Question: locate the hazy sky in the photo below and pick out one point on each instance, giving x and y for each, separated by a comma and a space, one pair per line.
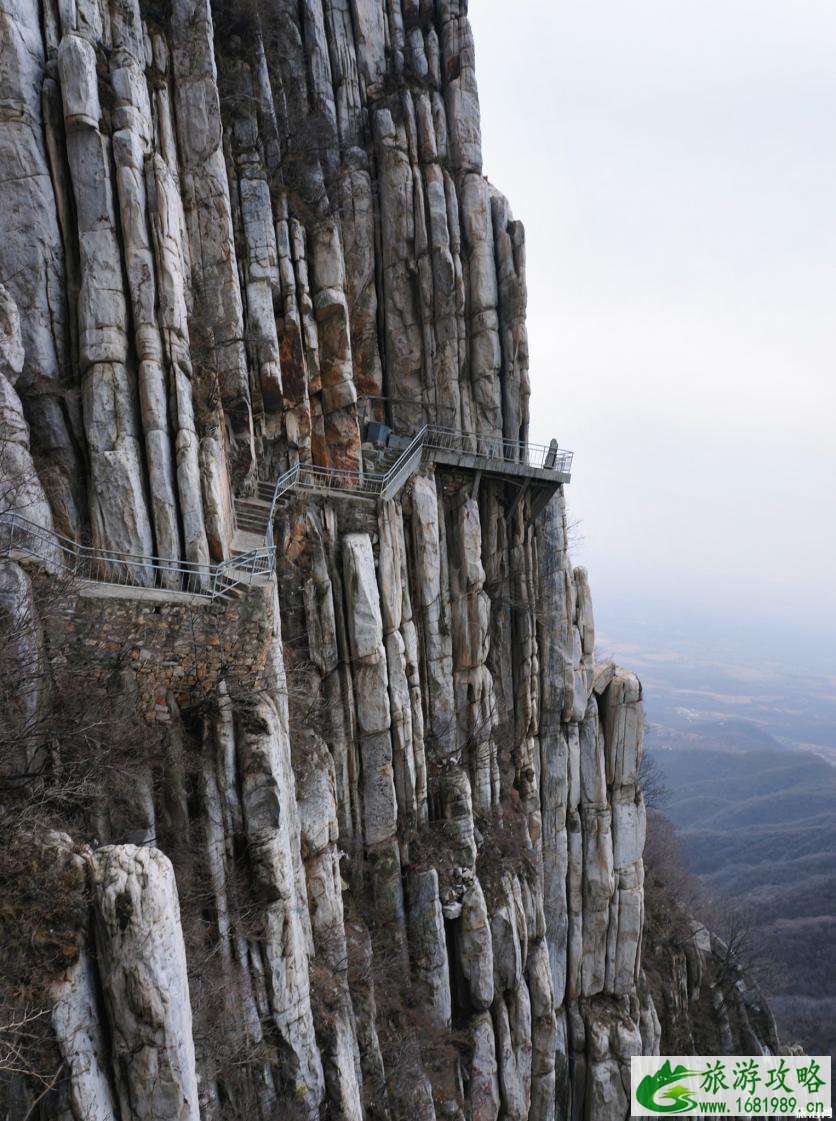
675, 167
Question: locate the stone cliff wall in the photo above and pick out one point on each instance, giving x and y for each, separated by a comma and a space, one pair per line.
400, 874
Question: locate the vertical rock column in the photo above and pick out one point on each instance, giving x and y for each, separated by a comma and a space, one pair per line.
403, 357
323, 645
32, 255
216, 320
81, 1041
559, 792
470, 613
296, 337
240, 978
118, 515
316, 786
407, 741
357, 210
339, 396
526, 668
451, 792
509, 248
271, 822
20, 487
555, 650
371, 697
76, 1015
434, 624
171, 257
132, 138
621, 711
485, 355
142, 965
461, 94
260, 251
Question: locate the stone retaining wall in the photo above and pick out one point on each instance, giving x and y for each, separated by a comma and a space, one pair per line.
175, 650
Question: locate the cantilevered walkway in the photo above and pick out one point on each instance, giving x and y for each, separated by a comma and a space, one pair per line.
536, 469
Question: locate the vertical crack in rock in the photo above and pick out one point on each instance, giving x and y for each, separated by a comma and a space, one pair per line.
391, 821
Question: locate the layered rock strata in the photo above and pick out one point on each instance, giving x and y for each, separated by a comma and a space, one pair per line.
399, 872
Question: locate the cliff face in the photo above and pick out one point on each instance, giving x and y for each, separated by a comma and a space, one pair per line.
367, 845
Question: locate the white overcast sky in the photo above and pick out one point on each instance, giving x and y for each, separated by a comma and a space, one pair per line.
674, 164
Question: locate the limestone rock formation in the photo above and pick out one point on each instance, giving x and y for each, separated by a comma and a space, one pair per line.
390, 822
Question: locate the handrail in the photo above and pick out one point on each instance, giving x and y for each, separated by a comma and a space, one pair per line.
546, 456
110, 566
208, 581
404, 465
309, 476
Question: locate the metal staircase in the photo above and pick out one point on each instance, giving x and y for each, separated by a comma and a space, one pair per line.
147, 577
533, 467
544, 466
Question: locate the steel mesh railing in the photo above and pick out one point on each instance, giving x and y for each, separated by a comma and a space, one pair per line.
547, 457
21, 537
490, 449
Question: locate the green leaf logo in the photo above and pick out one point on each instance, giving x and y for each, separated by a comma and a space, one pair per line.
653, 1093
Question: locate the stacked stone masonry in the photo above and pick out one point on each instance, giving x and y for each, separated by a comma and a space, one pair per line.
177, 653
231, 235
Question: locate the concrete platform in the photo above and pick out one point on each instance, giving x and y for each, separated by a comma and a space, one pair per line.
495, 467
92, 589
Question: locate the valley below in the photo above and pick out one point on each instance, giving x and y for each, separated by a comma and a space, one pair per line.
744, 755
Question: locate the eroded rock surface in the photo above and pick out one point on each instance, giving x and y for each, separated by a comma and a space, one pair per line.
397, 871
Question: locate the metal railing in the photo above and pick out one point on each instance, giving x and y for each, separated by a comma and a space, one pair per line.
403, 467
492, 450
547, 457
20, 537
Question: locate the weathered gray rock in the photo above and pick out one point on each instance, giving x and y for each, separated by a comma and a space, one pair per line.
75, 1021
272, 825
142, 964
117, 504
428, 948
317, 798
430, 602
476, 711
229, 245
475, 946
21, 492
32, 253
484, 1074
620, 707
370, 680
216, 317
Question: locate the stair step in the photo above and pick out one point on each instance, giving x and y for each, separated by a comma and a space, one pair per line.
252, 499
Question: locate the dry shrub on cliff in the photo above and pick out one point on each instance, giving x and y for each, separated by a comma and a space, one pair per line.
504, 847
43, 913
69, 737
304, 697
418, 1051
682, 919
67, 753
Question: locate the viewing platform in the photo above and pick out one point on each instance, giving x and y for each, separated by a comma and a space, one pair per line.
535, 469
543, 467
